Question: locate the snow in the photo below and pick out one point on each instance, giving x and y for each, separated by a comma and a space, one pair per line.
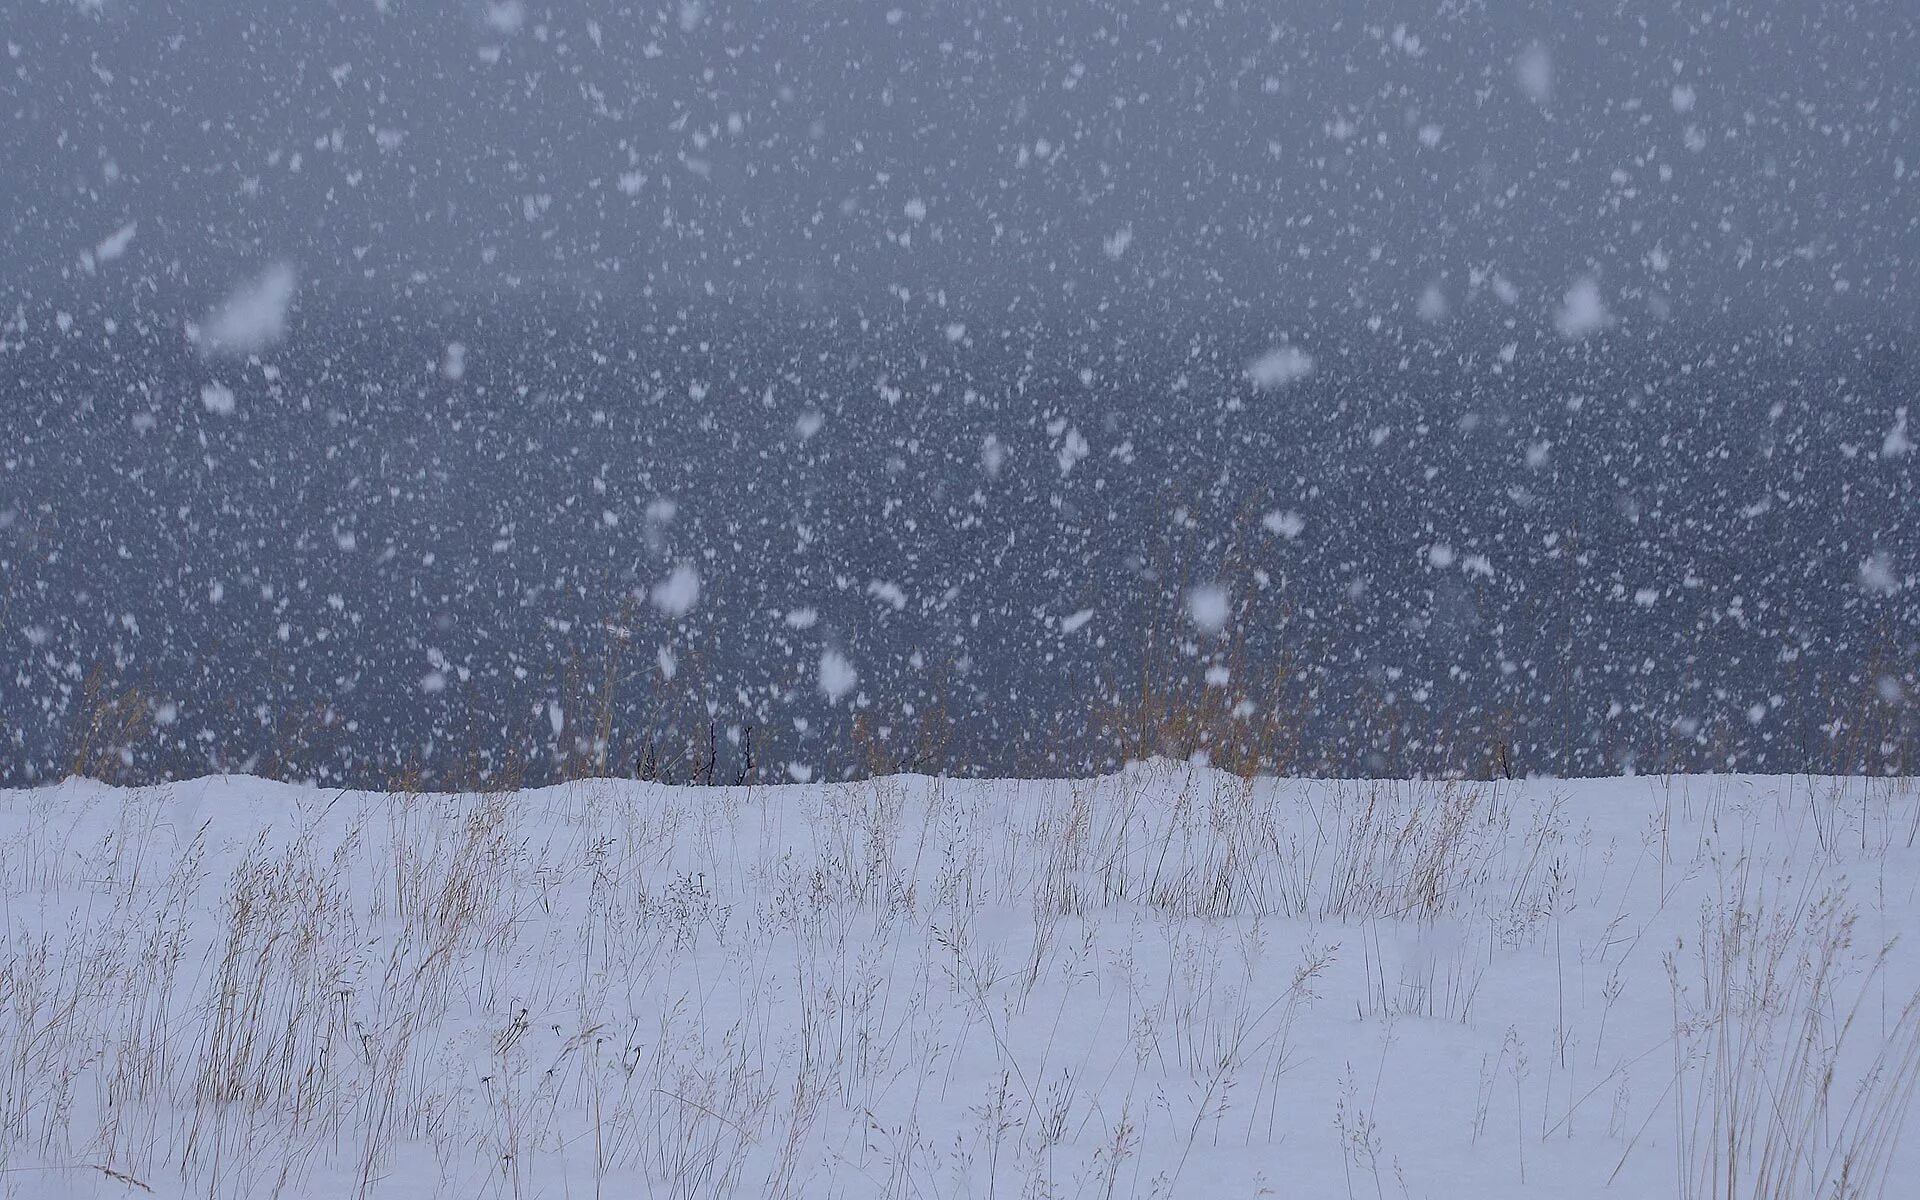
942, 331
1533, 68
1071, 448
1208, 607
252, 317
993, 455
837, 675
676, 595
1582, 310
217, 398
505, 17
802, 618
110, 247
1289, 524
1165, 982
1897, 442
1280, 366
1877, 574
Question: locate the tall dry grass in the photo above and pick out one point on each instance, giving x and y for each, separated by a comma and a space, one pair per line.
911, 986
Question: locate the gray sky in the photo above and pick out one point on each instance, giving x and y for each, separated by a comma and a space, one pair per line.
1310, 159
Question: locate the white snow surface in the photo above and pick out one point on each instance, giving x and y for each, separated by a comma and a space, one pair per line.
1166, 982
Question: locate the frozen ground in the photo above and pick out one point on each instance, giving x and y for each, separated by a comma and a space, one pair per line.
1163, 983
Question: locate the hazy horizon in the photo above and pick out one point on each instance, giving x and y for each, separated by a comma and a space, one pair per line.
1080, 160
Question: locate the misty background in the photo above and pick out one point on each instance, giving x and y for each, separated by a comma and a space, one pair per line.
991, 159
1514, 373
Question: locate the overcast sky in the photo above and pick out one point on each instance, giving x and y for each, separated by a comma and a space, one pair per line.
1402, 161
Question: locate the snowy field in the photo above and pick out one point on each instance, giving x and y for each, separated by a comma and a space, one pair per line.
1163, 983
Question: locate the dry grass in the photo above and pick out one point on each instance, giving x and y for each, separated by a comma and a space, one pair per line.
1210, 700
914, 987
112, 723
1767, 999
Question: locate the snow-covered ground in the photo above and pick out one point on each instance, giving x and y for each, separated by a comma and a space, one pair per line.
1163, 983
